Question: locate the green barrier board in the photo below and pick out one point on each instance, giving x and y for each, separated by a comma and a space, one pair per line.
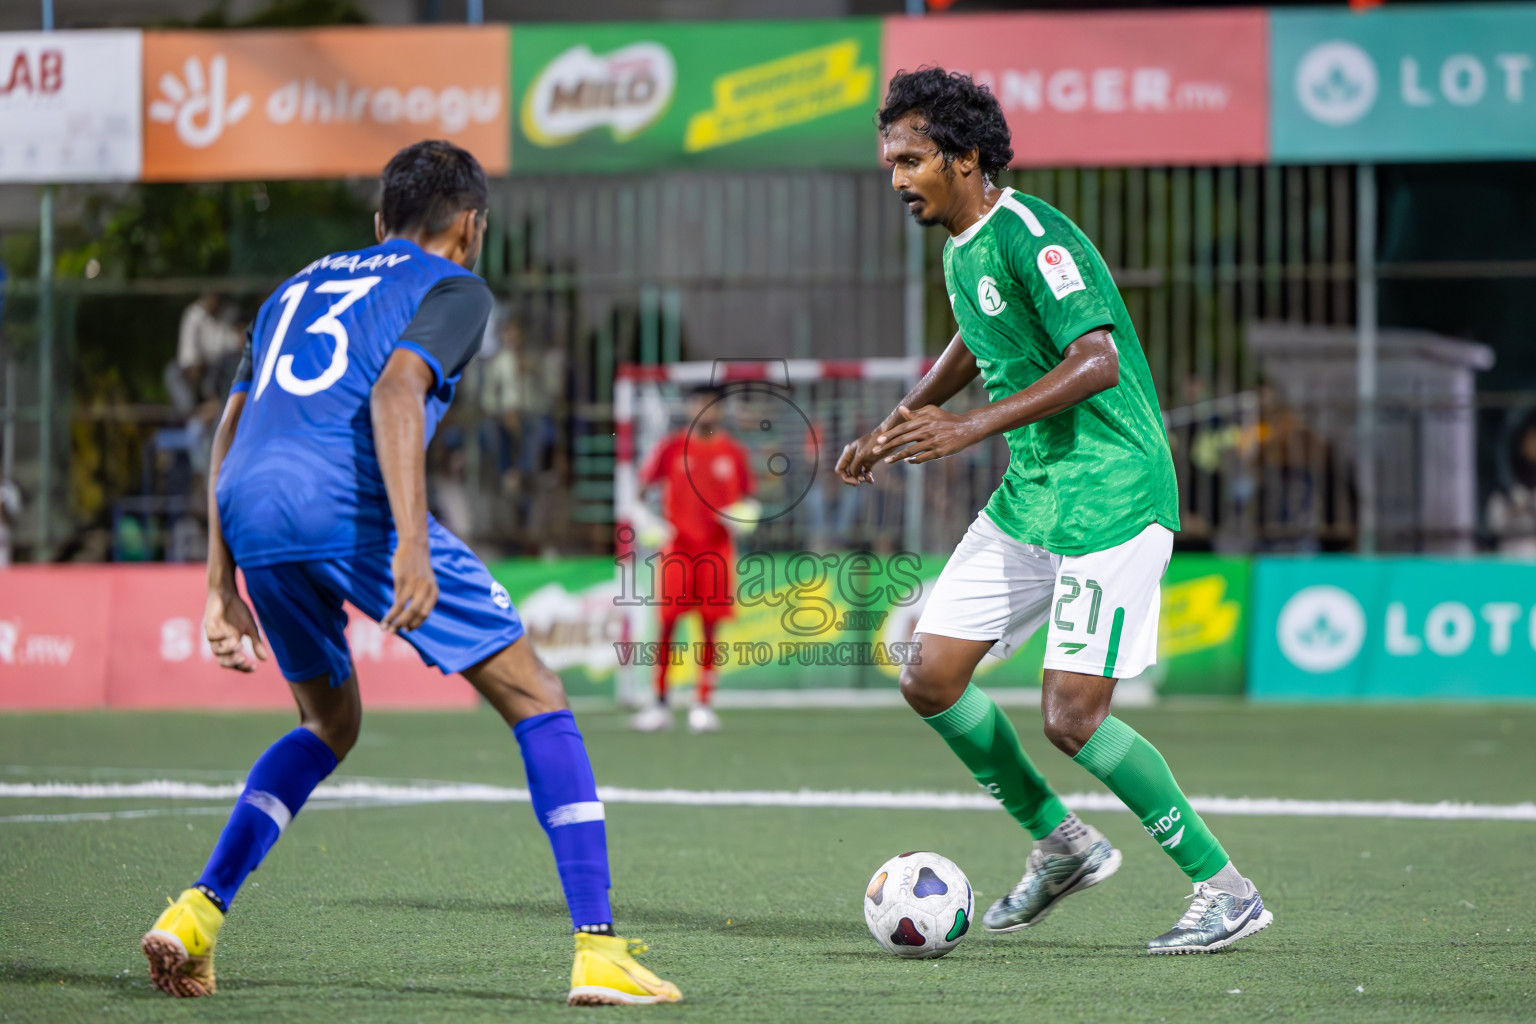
1444, 82
1344, 628
839, 620
607, 97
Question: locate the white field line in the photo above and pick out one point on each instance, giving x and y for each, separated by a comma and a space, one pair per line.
368, 794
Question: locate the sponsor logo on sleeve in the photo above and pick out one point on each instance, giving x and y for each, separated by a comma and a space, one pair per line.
1060, 271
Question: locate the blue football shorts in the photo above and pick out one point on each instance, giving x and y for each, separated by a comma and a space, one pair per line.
300, 608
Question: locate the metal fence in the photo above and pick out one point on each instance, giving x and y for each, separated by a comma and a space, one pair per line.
594, 272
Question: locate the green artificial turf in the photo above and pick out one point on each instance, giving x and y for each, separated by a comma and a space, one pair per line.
451, 912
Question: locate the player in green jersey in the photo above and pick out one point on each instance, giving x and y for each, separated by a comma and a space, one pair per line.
1078, 534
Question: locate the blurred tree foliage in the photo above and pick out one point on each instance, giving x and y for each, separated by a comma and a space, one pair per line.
285, 14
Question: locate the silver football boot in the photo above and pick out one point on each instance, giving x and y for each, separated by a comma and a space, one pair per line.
1214, 920
1049, 878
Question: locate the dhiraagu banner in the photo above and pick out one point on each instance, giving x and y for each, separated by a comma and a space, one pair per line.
596, 97
1440, 82
1346, 628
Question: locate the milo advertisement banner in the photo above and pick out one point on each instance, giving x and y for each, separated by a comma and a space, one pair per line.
614, 97
837, 620
1344, 628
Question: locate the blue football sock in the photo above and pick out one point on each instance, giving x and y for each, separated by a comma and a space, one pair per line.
565, 799
279, 783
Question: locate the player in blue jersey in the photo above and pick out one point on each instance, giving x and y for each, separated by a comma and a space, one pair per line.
318, 494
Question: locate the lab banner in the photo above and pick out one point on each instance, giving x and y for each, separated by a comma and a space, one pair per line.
319, 103
597, 97
1346, 628
69, 106
1181, 87
1446, 82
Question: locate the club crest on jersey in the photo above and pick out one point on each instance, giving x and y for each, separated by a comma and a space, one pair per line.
1060, 271
499, 596
991, 300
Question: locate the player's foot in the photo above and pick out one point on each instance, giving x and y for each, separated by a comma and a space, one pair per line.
1214, 920
656, 718
703, 719
1049, 878
606, 973
180, 946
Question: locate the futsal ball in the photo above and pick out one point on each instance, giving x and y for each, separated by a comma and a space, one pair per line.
918, 905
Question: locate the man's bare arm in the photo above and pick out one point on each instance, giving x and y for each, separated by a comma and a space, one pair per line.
948, 376
226, 619
1089, 365
398, 410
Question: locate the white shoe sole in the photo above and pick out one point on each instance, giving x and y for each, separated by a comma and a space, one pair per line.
1253, 927
1106, 869
598, 995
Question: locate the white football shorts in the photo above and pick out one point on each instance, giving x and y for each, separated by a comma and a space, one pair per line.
1101, 608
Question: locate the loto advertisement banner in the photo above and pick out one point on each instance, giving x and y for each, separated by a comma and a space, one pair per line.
69, 106
1345, 628
1448, 82
322, 103
1186, 87
737, 94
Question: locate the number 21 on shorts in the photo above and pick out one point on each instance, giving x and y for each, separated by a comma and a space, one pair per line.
1074, 590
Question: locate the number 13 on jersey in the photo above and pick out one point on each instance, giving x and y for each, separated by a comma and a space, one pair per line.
350, 290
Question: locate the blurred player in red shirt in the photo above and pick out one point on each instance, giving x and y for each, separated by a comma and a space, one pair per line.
703, 472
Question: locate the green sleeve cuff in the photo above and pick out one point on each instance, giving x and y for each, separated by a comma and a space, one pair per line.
1070, 333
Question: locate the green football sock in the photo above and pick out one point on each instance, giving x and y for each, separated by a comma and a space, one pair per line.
1136, 773
981, 736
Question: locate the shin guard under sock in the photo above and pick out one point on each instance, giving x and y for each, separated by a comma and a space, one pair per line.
1135, 772
279, 783
564, 796
982, 736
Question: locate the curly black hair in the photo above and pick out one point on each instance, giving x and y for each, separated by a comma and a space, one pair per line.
956, 113
428, 184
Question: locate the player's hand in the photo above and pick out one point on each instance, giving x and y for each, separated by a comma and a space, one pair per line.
857, 459
226, 622
924, 435
415, 588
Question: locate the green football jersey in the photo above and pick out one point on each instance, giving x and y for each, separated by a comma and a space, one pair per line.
1025, 283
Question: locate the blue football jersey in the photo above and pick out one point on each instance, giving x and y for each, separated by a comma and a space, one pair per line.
301, 479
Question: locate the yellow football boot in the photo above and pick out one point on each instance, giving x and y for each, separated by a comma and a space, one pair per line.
606, 974
180, 946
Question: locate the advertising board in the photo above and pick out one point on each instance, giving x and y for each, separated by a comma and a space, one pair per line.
69, 106
1434, 82
320, 103
1173, 87
598, 97
1345, 628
